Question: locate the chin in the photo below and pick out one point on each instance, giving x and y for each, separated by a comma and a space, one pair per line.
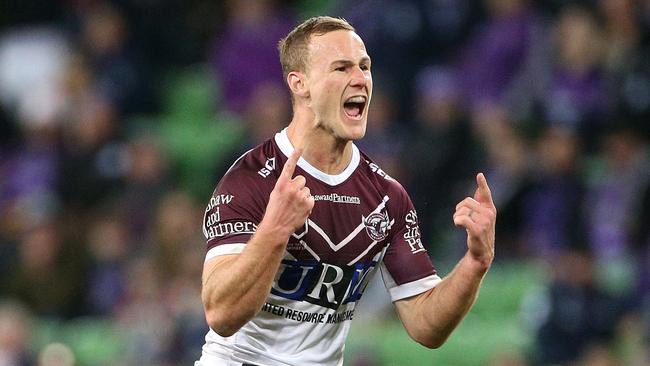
355, 133
352, 128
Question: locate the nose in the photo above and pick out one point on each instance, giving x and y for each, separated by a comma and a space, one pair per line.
359, 78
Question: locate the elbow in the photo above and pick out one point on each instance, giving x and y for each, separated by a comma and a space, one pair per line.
431, 341
432, 344
221, 324
226, 322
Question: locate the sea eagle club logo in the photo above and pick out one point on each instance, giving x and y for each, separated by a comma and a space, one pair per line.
377, 225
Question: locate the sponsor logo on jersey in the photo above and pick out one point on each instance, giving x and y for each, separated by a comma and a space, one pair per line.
412, 233
376, 169
219, 199
377, 225
269, 166
337, 198
307, 316
213, 218
212, 215
322, 284
230, 228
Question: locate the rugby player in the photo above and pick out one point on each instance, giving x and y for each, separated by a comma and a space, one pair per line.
299, 224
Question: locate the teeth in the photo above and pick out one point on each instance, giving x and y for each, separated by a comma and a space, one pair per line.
357, 99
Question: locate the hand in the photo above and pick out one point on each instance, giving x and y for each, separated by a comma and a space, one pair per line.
478, 216
290, 202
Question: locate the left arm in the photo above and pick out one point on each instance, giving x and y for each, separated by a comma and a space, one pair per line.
430, 317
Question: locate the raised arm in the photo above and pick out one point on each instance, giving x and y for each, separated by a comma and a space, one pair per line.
236, 286
430, 317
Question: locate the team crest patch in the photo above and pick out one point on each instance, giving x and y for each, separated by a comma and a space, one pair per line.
377, 225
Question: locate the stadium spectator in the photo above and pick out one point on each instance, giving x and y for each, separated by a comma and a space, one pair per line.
244, 54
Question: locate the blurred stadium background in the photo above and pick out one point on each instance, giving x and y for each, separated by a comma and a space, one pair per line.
117, 119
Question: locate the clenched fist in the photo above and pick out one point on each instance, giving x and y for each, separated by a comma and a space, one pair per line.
290, 202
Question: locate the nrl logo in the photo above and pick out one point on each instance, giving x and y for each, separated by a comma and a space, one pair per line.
377, 225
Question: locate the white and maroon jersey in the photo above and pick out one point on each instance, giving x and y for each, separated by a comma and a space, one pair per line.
362, 220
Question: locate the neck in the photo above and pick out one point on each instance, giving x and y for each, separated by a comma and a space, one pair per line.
319, 146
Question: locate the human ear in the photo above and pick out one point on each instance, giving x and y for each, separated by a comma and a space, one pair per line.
297, 83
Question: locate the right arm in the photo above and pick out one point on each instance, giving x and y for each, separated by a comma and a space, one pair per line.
236, 286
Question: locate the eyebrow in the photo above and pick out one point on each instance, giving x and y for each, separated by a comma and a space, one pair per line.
364, 59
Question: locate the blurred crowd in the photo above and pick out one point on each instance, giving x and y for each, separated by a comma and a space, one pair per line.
117, 119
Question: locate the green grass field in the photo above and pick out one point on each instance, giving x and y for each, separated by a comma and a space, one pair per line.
493, 329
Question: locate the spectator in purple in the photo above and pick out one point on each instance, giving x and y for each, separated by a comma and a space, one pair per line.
576, 95
29, 176
108, 245
147, 179
616, 193
556, 193
495, 54
244, 55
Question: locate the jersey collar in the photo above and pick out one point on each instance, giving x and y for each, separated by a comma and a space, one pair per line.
282, 140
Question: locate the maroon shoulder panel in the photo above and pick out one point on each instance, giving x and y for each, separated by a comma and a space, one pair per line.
351, 224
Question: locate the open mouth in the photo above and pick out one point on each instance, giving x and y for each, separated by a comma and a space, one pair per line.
354, 106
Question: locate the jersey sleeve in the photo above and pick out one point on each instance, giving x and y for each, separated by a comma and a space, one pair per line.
407, 269
232, 215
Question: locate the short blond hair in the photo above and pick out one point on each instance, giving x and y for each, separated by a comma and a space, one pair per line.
293, 48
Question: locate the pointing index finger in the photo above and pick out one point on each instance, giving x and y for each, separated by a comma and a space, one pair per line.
290, 165
483, 193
